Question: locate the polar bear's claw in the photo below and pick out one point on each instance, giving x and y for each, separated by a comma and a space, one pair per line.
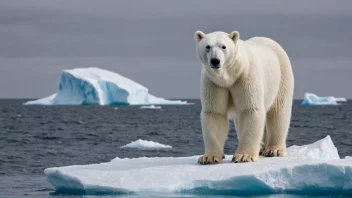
273, 152
241, 158
209, 159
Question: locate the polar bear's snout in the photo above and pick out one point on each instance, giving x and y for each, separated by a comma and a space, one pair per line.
215, 63
215, 57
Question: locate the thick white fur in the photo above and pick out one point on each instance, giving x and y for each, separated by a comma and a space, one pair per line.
254, 86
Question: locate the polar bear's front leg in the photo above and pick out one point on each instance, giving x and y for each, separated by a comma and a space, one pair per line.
214, 120
215, 127
251, 127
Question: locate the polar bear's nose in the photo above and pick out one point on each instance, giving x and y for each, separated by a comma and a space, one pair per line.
215, 62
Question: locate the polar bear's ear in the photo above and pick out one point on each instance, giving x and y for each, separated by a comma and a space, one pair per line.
235, 35
198, 35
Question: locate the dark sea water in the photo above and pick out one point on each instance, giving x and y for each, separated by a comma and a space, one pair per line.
33, 138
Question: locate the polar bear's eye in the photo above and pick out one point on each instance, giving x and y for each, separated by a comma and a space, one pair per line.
208, 47
223, 47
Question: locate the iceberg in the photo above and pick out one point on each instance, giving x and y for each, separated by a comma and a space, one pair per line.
309, 169
92, 85
145, 144
312, 99
150, 107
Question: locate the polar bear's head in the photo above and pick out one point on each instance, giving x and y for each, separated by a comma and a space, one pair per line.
217, 49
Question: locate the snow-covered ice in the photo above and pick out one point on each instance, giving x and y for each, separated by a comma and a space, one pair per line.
145, 144
312, 99
310, 169
92, 85
150, 107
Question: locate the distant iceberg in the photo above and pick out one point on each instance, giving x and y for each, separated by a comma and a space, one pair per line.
92, 85
150, 107
312, 99
310, 169
145, 144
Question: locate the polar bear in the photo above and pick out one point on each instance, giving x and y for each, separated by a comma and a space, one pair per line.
250, 81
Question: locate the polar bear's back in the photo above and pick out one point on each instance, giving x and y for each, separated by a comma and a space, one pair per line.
267, 46
275, 66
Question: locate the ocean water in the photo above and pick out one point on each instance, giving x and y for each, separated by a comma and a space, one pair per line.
33, 138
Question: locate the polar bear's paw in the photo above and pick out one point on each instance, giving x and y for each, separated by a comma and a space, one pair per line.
210, 159
273, 152
242, 158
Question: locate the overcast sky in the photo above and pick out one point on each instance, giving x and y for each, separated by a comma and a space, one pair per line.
152, 42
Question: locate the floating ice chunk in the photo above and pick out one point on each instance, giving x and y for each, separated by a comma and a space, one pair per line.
145, 144
43, 101
311, 169
150, 107
312, 99
92, 85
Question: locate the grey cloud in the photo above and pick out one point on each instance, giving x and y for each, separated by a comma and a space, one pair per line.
149, 39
